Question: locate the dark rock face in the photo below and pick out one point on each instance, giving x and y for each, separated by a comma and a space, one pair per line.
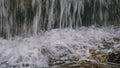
114, 57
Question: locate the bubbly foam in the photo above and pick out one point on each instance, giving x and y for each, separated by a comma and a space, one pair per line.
56, 43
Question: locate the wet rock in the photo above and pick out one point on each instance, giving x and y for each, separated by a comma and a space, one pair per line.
55, 61
66, 60
25, 65
114, 57
107, 44
117, 40
73, 57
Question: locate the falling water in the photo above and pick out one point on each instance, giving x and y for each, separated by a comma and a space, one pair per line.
20, 17
31, 31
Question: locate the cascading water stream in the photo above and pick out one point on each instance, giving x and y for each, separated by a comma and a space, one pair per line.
50, 14
40, 33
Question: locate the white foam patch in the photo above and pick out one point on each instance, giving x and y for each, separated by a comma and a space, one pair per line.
57, 42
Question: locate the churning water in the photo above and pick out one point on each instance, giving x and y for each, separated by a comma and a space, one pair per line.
56, 43
34, 31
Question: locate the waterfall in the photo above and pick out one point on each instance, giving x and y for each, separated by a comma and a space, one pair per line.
42, 33
19, 17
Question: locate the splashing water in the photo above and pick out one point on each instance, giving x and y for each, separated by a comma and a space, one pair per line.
36, 31
36, 50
